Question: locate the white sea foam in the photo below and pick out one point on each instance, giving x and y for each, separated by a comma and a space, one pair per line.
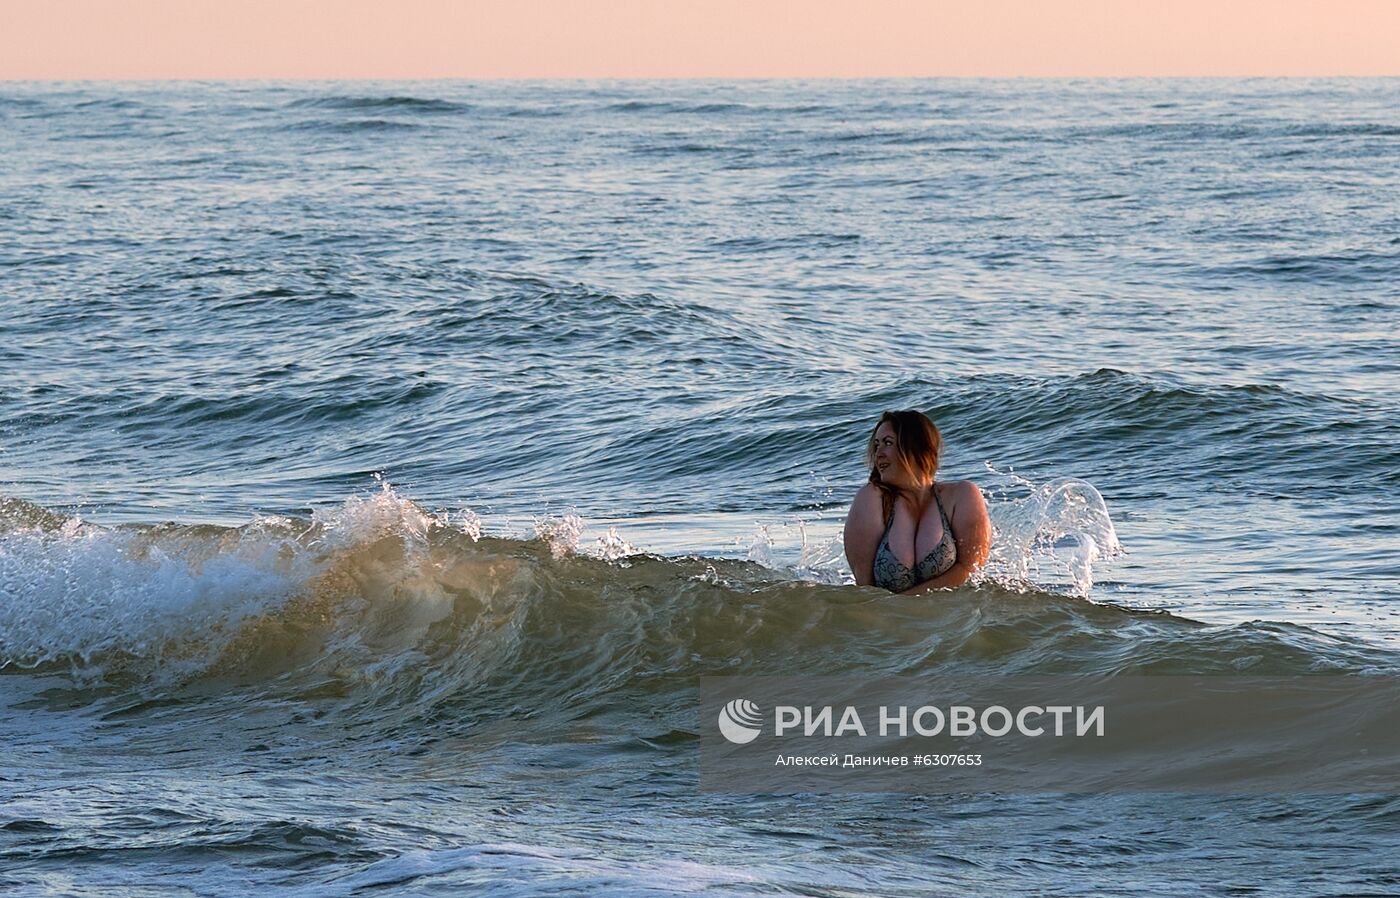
81, 592
580, 870
173, 598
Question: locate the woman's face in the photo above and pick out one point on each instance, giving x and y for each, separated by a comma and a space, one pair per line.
886, 456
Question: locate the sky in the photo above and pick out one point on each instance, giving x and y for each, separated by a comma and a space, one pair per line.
483, 39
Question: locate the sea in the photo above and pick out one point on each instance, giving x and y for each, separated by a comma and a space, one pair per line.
382, 465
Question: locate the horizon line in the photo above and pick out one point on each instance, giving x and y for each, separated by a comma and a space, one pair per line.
700, 78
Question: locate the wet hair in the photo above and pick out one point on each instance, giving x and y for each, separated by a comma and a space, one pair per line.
917, 445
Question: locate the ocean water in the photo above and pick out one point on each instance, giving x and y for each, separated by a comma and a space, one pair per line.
381, 464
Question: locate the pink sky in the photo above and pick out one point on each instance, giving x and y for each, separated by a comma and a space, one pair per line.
80, 39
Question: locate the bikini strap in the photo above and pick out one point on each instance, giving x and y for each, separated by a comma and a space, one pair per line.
941, 513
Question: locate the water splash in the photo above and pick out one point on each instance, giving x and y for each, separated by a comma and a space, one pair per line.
467, 521
358, 518
1052, 537
561, 533
823, 560
171, 596
761, 548
789, 548
612, 547
174, 599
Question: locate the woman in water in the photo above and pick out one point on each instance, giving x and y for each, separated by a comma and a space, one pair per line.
906, 532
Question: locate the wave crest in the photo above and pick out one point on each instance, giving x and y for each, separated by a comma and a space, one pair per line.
390, 606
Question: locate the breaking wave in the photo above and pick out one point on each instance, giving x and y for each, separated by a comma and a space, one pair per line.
383, 603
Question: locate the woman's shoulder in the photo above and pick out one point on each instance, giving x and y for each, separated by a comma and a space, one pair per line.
868, 496
865, 518
961, 493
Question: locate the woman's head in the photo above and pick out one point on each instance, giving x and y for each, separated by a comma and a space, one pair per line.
903, 450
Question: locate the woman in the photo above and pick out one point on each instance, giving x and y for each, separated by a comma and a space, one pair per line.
905, 532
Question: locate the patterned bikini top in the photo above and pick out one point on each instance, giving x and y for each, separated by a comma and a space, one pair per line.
890, 574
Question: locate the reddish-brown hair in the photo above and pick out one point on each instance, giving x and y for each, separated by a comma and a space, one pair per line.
917, 445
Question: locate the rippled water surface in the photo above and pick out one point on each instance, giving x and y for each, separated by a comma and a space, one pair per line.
382, 463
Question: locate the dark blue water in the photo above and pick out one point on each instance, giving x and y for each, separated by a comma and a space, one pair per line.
568, 323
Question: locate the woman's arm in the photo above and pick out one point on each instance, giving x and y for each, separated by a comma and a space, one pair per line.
972, 531
862, 533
